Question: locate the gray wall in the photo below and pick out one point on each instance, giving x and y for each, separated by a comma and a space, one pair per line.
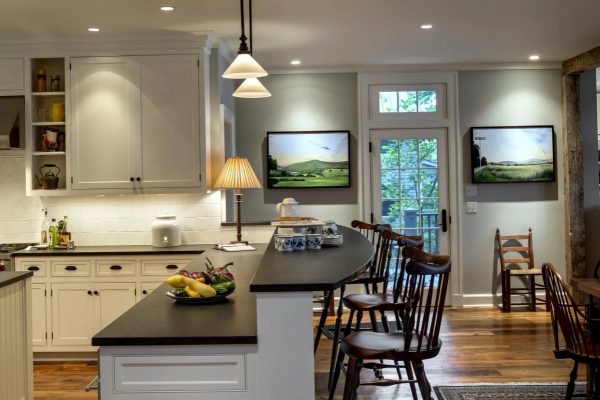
509, 97
299, 102
591, 198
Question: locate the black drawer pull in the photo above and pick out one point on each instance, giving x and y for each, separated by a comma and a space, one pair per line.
116, 267
171, 266
33, 268
71, 268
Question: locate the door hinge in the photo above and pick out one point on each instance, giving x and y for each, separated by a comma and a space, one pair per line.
198, 62
50, 292
46, 335
69, 65
71, 179
52, 335
372, 218
45, 294
135, 292
200, 177
370, 147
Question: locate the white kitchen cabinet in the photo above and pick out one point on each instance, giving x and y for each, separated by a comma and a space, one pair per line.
38, 314
80, 310
135, 122
11, 74
148, 287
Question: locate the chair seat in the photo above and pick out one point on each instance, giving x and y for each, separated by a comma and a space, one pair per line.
531, 271
375, 301
387, 346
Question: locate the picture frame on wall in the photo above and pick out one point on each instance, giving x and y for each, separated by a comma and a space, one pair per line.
308, 159
511, 154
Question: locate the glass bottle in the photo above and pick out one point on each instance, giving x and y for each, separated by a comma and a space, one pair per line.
45, 226
55, 83
53, 234
41, 80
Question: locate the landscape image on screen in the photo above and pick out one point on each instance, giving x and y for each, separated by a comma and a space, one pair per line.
302, 160
513, 154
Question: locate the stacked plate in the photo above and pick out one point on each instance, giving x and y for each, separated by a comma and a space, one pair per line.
333, 240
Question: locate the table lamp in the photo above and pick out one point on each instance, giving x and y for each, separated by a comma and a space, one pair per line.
237, 174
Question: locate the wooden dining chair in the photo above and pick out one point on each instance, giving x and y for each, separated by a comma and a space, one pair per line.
419, 339
520, 264
374, 274
570, 321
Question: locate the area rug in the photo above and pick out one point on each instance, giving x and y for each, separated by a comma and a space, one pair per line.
530, 391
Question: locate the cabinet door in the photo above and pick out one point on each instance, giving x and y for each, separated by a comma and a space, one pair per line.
105, 119
148, 287
112, 300
11, 74
170, 122
38, 314
72, 314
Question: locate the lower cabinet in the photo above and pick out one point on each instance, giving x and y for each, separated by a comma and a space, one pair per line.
80, 310
73, 298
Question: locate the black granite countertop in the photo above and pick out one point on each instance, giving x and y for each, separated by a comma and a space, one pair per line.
114, 250
9, 277
313, 270
157, 320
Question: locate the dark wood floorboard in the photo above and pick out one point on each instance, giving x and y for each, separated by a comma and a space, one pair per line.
479, 345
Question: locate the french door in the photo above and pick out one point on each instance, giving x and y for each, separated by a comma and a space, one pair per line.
410, 183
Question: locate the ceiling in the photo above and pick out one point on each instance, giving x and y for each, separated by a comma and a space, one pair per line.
333, 33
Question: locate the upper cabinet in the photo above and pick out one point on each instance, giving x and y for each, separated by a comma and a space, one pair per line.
11, 74
135, 122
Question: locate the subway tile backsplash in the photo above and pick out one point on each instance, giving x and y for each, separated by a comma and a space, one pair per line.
110, 219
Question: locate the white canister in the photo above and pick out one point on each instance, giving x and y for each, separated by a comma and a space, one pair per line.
166, 232
287, 208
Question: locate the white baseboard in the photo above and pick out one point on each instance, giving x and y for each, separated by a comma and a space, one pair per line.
490, 300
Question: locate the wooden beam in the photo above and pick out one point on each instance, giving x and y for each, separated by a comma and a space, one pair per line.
573, 179
583, 62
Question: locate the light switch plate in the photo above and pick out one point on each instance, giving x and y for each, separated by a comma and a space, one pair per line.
471, 190
471, 207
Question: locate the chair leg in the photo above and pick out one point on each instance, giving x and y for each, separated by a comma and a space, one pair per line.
359, 317
352, 378
571, 384
336, 332
503, 283
422, 380
336, 374
328, 298
532, 290
398, 321
508, 292
411, 377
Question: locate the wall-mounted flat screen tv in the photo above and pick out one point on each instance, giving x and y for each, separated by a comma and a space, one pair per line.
311, 159
503, 154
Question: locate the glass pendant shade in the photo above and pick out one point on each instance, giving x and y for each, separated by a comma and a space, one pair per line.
244, 66
251, 88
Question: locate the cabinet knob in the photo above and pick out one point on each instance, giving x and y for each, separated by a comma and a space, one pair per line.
33, 268
138, 179
144, 291
96, 293
131, 179
90, 292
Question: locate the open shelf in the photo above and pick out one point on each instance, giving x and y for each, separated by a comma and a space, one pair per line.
49, 153
48, 93
48, 123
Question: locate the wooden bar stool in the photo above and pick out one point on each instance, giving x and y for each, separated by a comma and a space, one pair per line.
419, 339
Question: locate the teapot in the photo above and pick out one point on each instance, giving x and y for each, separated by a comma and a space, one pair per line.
287, 208
49, 176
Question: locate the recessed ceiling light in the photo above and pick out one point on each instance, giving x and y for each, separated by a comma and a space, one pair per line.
167, 8
534, 57
94, 29
426, 26
295, 62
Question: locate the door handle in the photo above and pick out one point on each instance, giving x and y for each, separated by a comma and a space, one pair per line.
71, 268
444, 223
171, 266
33, 268
116, 267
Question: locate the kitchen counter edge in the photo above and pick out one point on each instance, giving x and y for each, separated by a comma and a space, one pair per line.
114, 250
9, 277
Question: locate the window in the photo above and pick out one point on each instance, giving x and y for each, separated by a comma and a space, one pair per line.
424, 101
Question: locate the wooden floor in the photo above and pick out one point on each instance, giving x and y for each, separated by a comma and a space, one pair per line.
479, 345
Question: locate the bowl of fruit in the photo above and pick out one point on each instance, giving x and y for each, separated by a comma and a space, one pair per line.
203, 287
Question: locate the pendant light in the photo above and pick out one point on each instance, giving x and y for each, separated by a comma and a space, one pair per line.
244, 66
251, 88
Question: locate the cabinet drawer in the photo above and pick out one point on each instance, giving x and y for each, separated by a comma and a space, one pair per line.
115, 268
38, 267
71, 268
162, 267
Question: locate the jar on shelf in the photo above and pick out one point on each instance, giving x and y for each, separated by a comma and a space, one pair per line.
41, 80
57, 112
55, 83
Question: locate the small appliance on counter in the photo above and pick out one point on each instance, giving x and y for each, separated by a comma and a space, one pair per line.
166, 232
287, 208
5, 250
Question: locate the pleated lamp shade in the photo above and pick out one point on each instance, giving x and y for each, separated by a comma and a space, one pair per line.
251, 88
237, 174
244, 66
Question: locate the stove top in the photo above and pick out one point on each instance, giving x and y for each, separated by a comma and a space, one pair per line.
12, 247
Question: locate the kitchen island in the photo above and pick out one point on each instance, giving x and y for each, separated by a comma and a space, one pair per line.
256, 345
16, 364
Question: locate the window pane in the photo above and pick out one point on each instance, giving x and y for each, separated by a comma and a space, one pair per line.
428, 153
408, 153
428, 182
410, 213
388, 102
427, 101
389, 154
390, 211
407, 101
390, 184
409, 182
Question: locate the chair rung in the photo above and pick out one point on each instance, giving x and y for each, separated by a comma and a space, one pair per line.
512, 237
516, 260
506, 249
